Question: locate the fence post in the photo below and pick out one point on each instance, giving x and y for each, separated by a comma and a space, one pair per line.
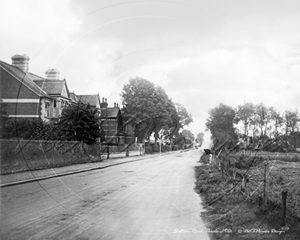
243, 185
222, 168
107, 151
234, 173
284, 196
265, 185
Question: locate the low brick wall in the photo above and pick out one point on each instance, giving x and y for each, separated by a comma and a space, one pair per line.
18, 156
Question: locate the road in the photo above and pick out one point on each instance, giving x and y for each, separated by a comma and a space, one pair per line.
149, 199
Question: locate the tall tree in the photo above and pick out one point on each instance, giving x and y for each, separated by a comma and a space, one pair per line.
277, 121
184, 115
200, 138
172, 127
263, 120
80, 122
220, 123
188, 135
137, 100
291, 121
150, 105
245, 114
164, 111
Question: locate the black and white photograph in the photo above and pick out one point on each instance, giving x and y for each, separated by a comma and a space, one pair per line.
150, 119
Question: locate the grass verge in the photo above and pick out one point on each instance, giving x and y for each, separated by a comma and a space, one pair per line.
232, 215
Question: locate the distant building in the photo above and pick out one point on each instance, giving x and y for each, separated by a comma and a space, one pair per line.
93, 100
29, 96
128, 130
111, 123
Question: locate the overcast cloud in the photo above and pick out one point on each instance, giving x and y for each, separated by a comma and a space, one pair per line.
201, 52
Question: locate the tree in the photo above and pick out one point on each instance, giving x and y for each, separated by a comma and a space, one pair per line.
162, 117
185, 117
153, 111
173, 125
188, 135
80, 122
291, 121
277, 121
262, 120
220, 123
200, 138
245, 114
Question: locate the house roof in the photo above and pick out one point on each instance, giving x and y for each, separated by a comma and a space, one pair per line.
24, 78
74, 97
93, 100
52, 87
34, 77
112, 112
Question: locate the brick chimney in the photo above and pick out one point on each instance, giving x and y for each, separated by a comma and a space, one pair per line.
52, 74
21, 62
103, 104
103, 108
116, 105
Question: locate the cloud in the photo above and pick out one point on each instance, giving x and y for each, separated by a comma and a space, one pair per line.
230, 55
39, 29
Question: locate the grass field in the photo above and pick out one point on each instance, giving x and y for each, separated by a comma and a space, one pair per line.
240, 210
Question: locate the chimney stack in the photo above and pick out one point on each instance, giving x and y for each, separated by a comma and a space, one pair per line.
103, 104
21, 62
52, 74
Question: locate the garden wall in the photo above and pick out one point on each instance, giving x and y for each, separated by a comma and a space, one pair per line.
25, 155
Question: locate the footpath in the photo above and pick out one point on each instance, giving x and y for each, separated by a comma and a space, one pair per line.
38, 175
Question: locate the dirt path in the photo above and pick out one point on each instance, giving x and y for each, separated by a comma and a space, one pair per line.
151, 199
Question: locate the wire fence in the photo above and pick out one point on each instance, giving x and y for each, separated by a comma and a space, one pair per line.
265, 178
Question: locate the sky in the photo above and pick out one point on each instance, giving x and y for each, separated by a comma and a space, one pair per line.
202, 52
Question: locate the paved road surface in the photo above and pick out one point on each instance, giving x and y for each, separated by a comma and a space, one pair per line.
150, 199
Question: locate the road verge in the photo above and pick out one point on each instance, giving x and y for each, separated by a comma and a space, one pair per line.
231, 215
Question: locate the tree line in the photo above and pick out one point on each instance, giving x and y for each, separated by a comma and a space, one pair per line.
255, 123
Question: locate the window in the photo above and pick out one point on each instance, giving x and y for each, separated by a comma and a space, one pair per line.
47, 109
54, 103
62, 104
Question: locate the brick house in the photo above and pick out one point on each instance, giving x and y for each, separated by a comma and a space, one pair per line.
111, 123
28, 96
